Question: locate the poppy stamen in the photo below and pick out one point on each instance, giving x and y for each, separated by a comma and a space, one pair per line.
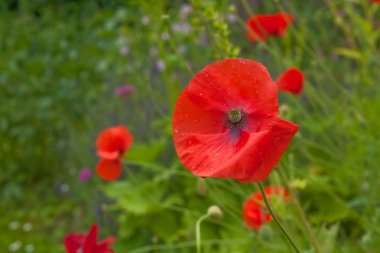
235, 119
234, 115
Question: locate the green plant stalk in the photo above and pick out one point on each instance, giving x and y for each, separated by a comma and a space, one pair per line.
198, 231
301, 213
284, 232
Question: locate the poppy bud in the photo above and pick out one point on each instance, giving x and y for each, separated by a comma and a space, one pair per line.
215, 212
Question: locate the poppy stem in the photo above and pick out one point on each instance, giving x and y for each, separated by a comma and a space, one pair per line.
198, 231
305, 222
284, 232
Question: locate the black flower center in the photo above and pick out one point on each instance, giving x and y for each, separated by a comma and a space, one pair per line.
235, 119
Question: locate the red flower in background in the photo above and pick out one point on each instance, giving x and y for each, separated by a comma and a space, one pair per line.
226, 122
112, 144
83, 243
254, 210
375, 1
291, 81
262, 26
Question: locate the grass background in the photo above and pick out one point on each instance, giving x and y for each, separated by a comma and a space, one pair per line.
60, 62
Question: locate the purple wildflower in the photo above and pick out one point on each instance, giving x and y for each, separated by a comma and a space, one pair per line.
84, 174
181, 27
124, 50
145, 20
160, 65
124, 90
185, 10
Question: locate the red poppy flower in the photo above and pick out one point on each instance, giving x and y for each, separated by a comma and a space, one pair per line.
254, 211
75, 243
291, 81
262, 26
109, 170
375, 1
112, 144
226, 122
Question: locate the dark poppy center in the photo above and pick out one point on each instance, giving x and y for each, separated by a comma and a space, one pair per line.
235, 119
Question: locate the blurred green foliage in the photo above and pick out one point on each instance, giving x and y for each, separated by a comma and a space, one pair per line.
60, 62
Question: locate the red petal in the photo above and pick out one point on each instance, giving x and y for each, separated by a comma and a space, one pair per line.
90, 243
261, 26
252, 214
190, 117
103, 246
109, 169
291, 80
251, 157
233, 83
113, 142
265, 150
73, 242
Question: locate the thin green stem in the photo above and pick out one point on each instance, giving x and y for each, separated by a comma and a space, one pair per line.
284, 232
198, 231
301, 213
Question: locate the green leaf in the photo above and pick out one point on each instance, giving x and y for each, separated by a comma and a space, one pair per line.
146, 152
327, 237
165, 226
349, 53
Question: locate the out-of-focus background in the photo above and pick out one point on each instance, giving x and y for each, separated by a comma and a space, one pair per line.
61, 63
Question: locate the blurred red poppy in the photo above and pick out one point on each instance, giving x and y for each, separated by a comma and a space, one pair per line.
112, 144
291, 81
375, 1
226, 122
254, 211
260, 27
109, 170
75, 243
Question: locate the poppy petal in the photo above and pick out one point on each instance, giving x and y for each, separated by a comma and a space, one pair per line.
273, 142
103, 245
90, 243
109, 170
292, 81
241, 159
254, 214
113, 142
125, 137
234, 83
73, 242
108, 240
261, 26
190, 117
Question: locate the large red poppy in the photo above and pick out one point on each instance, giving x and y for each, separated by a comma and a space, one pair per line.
112, 144
260, 27
254, 211
226, 122
291, 81
83, 243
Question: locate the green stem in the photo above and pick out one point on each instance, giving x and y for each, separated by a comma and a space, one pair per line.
198, 231
284, 232
305, 222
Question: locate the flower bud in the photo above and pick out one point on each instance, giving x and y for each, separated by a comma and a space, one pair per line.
215, 212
